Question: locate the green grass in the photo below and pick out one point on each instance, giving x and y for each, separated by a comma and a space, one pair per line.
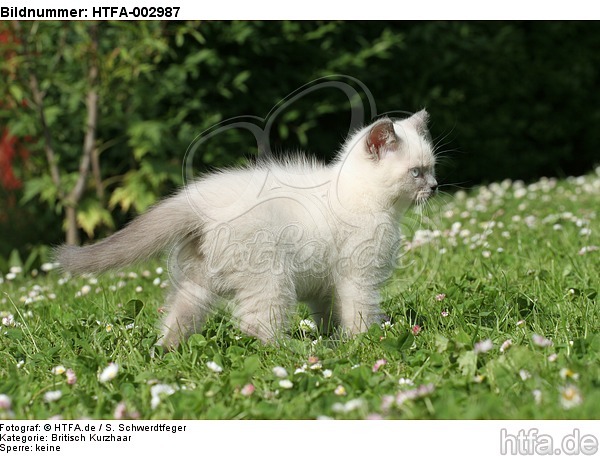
519, 271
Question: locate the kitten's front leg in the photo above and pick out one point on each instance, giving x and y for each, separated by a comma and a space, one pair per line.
356, 305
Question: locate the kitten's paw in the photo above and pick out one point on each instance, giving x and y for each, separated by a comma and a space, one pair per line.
169, 341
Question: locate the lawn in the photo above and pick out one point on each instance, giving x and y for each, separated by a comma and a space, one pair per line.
493, 315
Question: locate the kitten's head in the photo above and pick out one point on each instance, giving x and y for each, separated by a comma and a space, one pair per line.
401, 158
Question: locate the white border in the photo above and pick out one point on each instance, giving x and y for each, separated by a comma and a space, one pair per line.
330, 10
264, 438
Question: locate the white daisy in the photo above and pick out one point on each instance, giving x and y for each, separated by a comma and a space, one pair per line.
280, 372
109, 373
214, 367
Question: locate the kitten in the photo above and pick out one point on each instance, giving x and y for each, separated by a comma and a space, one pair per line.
269, 235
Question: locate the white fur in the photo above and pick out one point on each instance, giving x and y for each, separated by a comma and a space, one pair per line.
270, 235
283, 232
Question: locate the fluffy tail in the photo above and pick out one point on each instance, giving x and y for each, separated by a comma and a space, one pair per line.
146, 236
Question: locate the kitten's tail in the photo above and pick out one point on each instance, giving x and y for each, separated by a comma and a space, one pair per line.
146, 236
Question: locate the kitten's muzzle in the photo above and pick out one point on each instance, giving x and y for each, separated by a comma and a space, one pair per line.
433, 185
430, 191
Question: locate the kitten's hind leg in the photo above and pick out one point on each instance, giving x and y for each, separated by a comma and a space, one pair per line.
264, 313
189, 305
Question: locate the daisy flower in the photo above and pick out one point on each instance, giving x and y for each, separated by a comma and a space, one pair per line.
71, 377
378, 364
386, 402
340, 391
420, 391
541, 341
52, 396
85, 290
8, 320
570, 397
58, 370
280, 372
214, 367
286, 384
301, 369
506, 345
159, 391
483, 346
568, 374
525, 375
247, 390
120, 411
349, 406
5, 402
308, 326
587, 249
47, 267
109, 373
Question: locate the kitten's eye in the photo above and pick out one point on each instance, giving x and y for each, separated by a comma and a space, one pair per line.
415, 172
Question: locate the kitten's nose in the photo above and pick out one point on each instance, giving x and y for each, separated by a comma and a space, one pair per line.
434, 186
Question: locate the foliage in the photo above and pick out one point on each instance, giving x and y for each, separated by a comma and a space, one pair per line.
47, 93
503, 264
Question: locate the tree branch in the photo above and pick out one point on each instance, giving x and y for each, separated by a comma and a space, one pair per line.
97, 175
91, 122
91, 102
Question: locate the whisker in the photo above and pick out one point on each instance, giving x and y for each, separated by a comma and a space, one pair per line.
445, 152
438, 140
443, 160
450, 196
457, 185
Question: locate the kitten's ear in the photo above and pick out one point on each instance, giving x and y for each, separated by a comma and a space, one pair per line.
381, 138
419, 121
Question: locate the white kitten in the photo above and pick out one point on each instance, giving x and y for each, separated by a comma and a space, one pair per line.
269, 235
